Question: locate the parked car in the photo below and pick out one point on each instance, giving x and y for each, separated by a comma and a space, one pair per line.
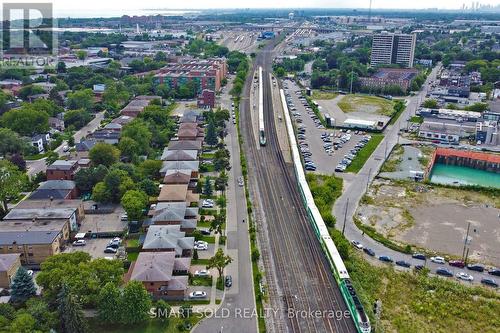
444, 272
419, 256
457, 263
110, 250
418, 267
369, 252
438, 260
198, 294
475, 267
228, 281
403, 263
464, 276
494, 271
124, 217
207, 204
385, 258
80, 242
357, 245
202, 272
205, 232
240, 181
489, 282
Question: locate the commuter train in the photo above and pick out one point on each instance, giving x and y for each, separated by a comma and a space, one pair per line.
262, 133
338, 268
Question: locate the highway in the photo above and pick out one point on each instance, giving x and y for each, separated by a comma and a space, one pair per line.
304, 281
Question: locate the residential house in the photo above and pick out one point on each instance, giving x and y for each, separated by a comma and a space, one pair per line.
55, 189
107, 136
206, 100
56, 123
34, 247
156, 271
185, 145
69, 214
190, 131
168, 238
180, 165
62, 170
174, 213
60, 226
180, 177
178, 193
179, 155
40, 140
85, 145
9, 264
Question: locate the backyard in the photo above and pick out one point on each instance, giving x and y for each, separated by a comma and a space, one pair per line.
366, 104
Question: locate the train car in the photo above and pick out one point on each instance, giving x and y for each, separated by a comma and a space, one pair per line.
337, 265
262, 133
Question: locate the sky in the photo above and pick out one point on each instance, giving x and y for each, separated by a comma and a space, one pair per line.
107, 8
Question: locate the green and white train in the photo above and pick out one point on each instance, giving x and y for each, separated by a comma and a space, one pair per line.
338, 268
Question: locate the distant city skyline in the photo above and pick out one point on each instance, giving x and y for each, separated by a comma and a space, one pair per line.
101, 8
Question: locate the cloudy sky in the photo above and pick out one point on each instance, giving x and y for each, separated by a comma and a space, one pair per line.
93, 8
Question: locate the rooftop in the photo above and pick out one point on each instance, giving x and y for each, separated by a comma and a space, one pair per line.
62, 165
7, 260
39, 213
27, 237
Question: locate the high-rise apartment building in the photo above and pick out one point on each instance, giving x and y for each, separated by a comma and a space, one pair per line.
390, 48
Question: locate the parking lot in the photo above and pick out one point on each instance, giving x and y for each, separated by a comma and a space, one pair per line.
95, 247
316, 143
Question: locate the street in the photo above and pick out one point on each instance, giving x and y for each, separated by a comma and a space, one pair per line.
36, 166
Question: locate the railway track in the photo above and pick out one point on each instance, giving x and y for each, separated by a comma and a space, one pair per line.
303, 274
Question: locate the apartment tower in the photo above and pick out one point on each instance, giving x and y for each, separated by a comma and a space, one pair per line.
390, 48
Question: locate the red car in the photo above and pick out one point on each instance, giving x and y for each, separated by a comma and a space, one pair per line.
457, 263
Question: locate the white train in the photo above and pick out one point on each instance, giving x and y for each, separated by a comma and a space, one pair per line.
336, 263
262, 133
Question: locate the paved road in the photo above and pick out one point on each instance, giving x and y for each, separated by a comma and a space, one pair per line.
358, 185
240, 297
34, 167
304, 280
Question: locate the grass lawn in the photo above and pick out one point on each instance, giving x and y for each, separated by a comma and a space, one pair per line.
199, 262
417, 119
133, 242
418, 303
36, 156
323, 95
365, 153
152, 326
363, 103
132, 256
205, 281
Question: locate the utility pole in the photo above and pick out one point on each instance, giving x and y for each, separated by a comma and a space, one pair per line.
465, 241
345, 215
368, 179
352, 78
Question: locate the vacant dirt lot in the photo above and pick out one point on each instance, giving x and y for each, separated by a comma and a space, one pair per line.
435, 218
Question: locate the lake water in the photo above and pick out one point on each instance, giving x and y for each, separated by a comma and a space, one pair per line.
458, 175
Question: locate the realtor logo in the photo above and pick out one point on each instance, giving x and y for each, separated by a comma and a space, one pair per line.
28, 36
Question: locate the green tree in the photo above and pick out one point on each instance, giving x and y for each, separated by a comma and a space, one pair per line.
149, 187
211, 136
77, 118
136, 303
45, 105
217, 223
22, 286
140, 133
129, 148
30, 90
221, 181
135, 202
23, 323
44, 318
86, 178
82, 275
150, 168
25, 121
219, 261
81, 99
430, 104
221, 160
12, 181
12, 143
207, 187
105, 154
70, 312
163, 310
81, 54
108, 304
